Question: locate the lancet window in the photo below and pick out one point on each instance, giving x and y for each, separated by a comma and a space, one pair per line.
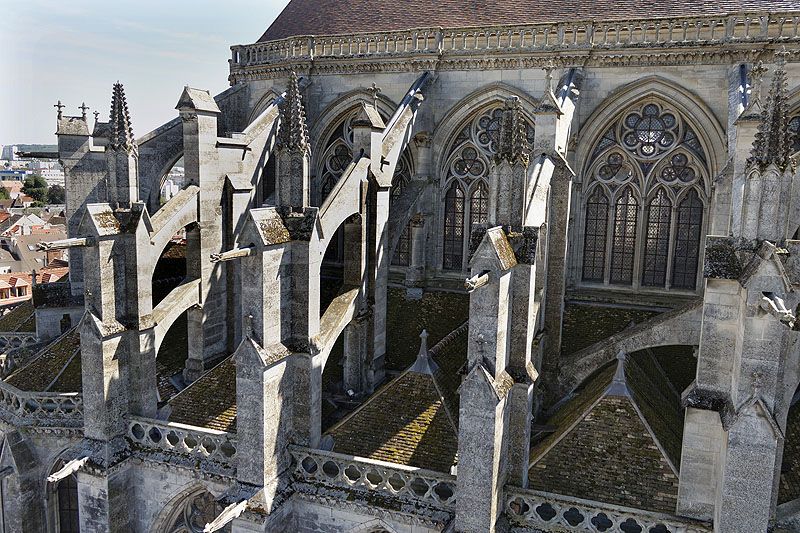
68, 514
401, 179
645, 200
465, 183
794, 127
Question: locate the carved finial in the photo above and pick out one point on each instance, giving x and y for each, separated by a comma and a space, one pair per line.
248, 326
374, 91
121, 130
773, 142
96, 116
83, 107
423, 344
59, 106
513, 145
293, 132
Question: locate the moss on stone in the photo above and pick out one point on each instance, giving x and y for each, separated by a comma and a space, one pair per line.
585, 325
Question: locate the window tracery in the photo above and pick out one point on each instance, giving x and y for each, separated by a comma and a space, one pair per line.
195, 512
401, 179
647, 157
794, 127
466, 177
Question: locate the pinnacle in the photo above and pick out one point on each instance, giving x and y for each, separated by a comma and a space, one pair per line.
773, 141
293, 132
122, 131
513, 144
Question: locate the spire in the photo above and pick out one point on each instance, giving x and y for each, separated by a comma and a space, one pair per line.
513, 145
121, 130
773, 142
293, 132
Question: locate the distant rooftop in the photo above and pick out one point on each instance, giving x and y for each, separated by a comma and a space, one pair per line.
335, 17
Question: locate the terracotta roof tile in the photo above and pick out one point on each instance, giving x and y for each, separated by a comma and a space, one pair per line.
336, 17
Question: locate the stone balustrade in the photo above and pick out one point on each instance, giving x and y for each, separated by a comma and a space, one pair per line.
551, 512
181, 439
13, 340
407, 483
578, 36
41, 409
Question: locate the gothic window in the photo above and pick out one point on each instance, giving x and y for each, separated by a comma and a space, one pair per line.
401, 179
594, 245
689, 222
194, 513
336, 160
466, 176
478, 206
67, 494
649, 151
656, 246
794, 128
624, 244
453, 228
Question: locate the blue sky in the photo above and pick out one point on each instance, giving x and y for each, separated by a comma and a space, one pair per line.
74, 51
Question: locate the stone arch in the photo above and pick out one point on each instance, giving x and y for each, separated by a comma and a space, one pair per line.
690, 160
338, 109
174, 510
707, 126
159, 150
263, 103
448, 128
463, 153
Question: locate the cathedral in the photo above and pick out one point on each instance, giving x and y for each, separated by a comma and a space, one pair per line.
453, 266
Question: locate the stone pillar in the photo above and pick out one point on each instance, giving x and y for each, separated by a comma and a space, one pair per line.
520, 366
484, 410
378, 271
415, 273
264, 394
557, 225
703, 436
480, 477
207, 329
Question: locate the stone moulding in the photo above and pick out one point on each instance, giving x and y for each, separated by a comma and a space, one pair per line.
406, 483
544, 511
669, 40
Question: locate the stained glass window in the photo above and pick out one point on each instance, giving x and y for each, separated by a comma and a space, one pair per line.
68, 517
594, 245
688, 226
401, 179
623, 249
468, 166
656, 245
794, 128
453, 234
650, 151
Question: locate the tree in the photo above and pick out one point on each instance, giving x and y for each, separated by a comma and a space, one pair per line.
4, 194
35, 186
55, 195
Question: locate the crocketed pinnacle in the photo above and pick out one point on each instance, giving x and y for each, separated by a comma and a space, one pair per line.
121, 129
513, 145
773, 142
293, 132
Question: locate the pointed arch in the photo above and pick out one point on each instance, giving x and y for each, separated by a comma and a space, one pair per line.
453, 234
324, 123
710, 133
458, 115
191, 507
688, 237
649, 143
263, 103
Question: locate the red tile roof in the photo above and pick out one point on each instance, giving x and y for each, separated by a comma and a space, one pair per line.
336, 17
